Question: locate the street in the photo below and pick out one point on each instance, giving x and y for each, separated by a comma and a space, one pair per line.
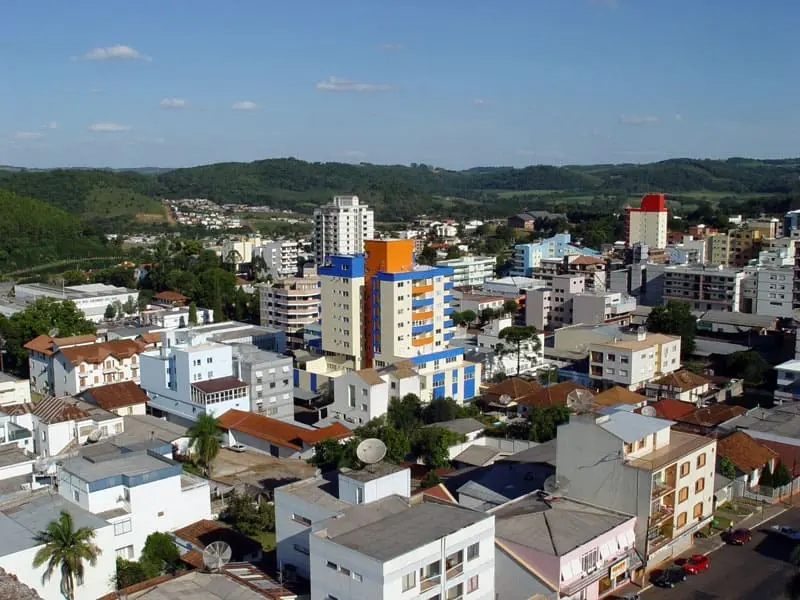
757, 571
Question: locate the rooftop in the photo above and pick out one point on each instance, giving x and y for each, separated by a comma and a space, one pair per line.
102, 461
12, 589
116, 395
234, 582
321, 490
373, 471
201, 533
514, 387
555, 527
477, 456
499, 482
463, 426
745, 320
141, 428
651, 339
683, 379
541, 453
705, 347
746, 453
712, 416
670, 408
220, 384
280, 432
96, 353
680, 444
618, 395
552, 395
390, 528
13, 455
52, 410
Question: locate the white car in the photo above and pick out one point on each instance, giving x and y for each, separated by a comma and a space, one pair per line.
788, 532
237, 447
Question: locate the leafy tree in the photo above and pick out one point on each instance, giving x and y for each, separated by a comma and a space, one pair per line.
433, 446
331, 454
405, 414
130, 572
675, 318
73, 277
130, 307
65, 549
454, 252
440, 409
748, 365
193, 313
431, 479
468, 316
160, 554
428, 255
727, 468
510, 307
544, 422
204, 440
781, 475
397, 441
487, 314
766, 477
110, 312
246, 516
520, 338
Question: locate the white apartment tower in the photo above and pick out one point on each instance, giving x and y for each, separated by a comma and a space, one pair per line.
341, 227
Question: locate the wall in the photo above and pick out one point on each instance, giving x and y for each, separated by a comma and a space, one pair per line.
398, 483
238, 437
17, 391
374, 396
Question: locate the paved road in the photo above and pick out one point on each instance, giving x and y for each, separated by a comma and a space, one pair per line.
758, 571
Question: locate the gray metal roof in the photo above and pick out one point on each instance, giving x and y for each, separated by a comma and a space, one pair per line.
322, 490
462, 426
722, 317
104, 460
720, 482
631, 427
504, 481
21, 523
544, 453
556, 527
477, 455
402, 531
704, 347
141, 428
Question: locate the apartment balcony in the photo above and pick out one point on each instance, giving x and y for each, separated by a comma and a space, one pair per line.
419, 303
662, 514
432, 581
421, 289
455, 570
662, 488
600, 571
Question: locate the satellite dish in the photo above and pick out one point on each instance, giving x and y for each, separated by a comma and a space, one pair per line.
371, 451
94, 436
505, 399
556, 486
580, 401
216, 555
53, 332
649, 411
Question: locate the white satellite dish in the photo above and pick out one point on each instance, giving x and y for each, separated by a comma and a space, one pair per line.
505, 399
556, 486
580, 401
53, 332
649, 411
216, 555
371, 451
94, 436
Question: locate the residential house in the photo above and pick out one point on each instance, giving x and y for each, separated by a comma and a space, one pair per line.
749, 456
683, 385
125, 398
138, 491
709, 420
41, 350
634, 363
277, 438
639, 465
575, 549
174, 317
464, 300
169, 299
20, 525
194, 537
557, 394
505, 396
388, 548
619, 395
13, 390
522, 221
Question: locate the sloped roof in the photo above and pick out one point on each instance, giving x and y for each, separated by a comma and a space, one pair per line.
684, 379
48, 345
17, 409
150, 337
201, 533
170, 296
587, 260
744, 452
96, 353
553, 395
220, 384
370, 376
713, 415
279, 432
514, 387
670, 408
477, 456
117, 395
52, 410
618, 395
12, 589
789, 455
439, 491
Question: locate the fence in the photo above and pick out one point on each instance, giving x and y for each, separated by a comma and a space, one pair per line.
772, 495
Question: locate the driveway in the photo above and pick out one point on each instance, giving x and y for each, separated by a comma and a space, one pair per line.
757, 571
257, 469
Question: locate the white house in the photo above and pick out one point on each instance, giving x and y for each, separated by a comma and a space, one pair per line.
681, 385
13, 390
506, 362
633, 363
173, 317
138, 491
21, 522
41, 350
389, 548
124, 398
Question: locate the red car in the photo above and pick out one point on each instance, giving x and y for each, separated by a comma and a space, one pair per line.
738, 537
696, 564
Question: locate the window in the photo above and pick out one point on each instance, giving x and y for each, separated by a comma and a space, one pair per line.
301, 519
301, 549
332, 565
360, 495
681, 519
683, 494
454, 565
472, 584
685, 467
699, 485
455, 592
409, 581
701, 460
357, 576
698, 510
126, 552
641, 444
473, 551
76, 495
589, 561
122, 527
344, 571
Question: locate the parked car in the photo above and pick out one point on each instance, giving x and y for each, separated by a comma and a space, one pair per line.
669, 578
787, 532
738, 537
237, 447
696, 564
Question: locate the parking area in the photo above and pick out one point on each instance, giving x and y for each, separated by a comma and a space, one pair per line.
756, 571
257, 469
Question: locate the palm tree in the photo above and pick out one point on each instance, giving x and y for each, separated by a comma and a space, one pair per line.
204, 440
65, 548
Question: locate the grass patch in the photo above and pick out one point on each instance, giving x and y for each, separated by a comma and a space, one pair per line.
109, 202
266, 539
192, 468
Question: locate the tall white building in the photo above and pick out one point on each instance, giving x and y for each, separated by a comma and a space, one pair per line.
342, 227
291, 304
470, 270
342, 288
280, 257
648, 223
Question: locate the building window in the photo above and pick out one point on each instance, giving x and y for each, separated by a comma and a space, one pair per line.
698, 510
699, 485
357, 576
301, 519
701, 460
301, 549
122, 527
472, 584
473, 551
683, 494
332, 565
681, 520
685, 467
126, 552
641, 444
455, 592
409, 581
589, 561
76, 495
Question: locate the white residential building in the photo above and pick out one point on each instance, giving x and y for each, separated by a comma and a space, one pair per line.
291, 304
703, 287
41, 351
138, 491
390, 548
342, 227
21, 523
79, 368
634, 363
13, 390
638, 465
648, 223
174, 317
342, 288
91, 299
239, 249
470, 270
184, 379
768, 291
280, 258
530, 357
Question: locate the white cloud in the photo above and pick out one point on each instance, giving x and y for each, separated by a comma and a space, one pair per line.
337, 84
108, 127
638, 120
27, 135
244, 105
174, 103
50, 125
118, 52
480, 102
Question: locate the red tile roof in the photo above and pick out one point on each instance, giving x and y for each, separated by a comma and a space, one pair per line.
438, 491
587, 260
12, 589
98, 352
553, 395
669, 408
789, 455
201, 533
170, 296
117, 395
280, 432
220, 384
713, 415
744, 452
683, 380
618, 395
16, 410
48, 345
514, 387
150, 337
58, 410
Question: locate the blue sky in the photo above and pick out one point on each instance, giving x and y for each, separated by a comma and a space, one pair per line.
455, 83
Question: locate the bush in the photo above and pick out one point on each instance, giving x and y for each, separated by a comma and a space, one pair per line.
781, 476
160, 554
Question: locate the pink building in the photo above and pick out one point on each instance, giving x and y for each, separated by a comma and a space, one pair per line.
574, 549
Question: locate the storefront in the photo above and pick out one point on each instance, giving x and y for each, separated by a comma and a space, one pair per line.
618, 575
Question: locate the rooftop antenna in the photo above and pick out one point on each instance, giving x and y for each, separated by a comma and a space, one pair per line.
216, 555
580, 401
371, 451
556, 486
649, 411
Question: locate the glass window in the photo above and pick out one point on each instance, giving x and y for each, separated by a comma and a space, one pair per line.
685, 467
332, 565
472, 584
698, 510
699, 485
683, 494
409, 581
701, 460
473, 551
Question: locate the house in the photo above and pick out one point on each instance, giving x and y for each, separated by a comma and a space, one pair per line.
574, 549
505, 396
619, 395
639, 465
682, 385
169, 299
275, 437
125, 398
20, 524
13, 390
749, 456
546, 397
671, 409
709, 420
470, 428
17, 478
389, 548
196, 536
301, 505
522, 221
174, 317
633, 363
40, 358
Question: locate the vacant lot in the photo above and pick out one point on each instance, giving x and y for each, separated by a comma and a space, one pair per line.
258, 469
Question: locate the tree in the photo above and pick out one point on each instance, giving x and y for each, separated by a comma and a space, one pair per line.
454, 252
781, 475
397, 441
160, 554
544, 422
675, 318
431, 479
130, 572
130, 307
440, 409
405, 414
193, 313
247, 516
433, 445
330, 454
727, 468
766, 477
468, 316
520, 338
65, 549
204, 440
110, 312
428, 255
510, 307
748, 365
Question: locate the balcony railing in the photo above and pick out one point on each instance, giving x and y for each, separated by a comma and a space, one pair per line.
573, 587
662, 514
455, 570
661, 488
430, 582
